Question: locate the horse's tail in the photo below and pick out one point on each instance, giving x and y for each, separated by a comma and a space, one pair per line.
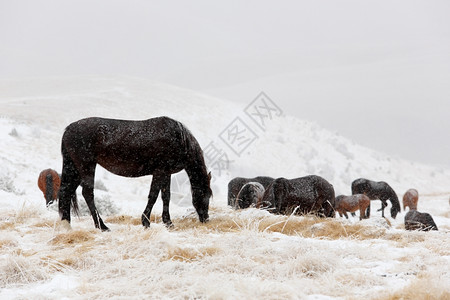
70, 179
326, 194
49, 187
280, 190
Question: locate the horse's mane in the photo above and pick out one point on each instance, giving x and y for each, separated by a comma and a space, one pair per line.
394, 199
195, 159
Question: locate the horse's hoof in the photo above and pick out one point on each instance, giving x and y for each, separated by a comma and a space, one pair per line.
145, 221
66, 225
169, 225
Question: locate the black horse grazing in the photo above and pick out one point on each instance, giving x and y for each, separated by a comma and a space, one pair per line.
377, 190
159, 146
250, 194
235, 185
415, 220
309, 194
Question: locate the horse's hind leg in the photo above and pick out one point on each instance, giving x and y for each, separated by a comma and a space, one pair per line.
368, 211
165, 195
70, 180
88, 193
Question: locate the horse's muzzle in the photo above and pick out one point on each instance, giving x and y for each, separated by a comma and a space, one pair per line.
203, 218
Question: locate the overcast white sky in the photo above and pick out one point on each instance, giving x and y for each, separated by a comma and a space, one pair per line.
375, 71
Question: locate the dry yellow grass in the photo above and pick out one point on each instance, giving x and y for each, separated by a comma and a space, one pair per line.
73, 237
8, 225
405, 238
422, 288
7, 243
44, 224
129, 220
189, 254
123, 220
218, 224
306, 226
25, 213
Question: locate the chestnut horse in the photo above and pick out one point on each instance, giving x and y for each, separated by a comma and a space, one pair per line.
410, 199
344, 204
304, 195
49, 183
377, 190
250, 194
159, 147
235, 185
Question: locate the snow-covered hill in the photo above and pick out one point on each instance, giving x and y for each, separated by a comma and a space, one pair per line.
244, 253
35, 112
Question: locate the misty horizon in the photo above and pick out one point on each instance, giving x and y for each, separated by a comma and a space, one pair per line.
376, 72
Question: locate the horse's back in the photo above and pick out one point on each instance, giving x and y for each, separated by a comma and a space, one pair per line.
415, 220
130, 148
410, 199
308, 192
351, 203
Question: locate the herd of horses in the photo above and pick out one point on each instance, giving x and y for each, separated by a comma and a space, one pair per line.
162, 146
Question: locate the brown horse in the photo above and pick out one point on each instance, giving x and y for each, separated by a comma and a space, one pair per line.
344, 204
159, 147
410, 199
49, 182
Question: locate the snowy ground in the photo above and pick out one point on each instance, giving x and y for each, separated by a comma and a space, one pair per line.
238, 254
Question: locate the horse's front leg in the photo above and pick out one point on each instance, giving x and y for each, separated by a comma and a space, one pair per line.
383, 205
158, 184
165, 195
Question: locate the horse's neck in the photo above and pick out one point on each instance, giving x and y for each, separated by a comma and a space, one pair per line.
198, 178
197, 172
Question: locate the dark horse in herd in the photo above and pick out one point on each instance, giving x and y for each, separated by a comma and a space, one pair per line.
159, 146
377, 190
236, 184
309, 194
304, 195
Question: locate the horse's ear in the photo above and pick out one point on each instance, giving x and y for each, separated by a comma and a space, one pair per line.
209, 176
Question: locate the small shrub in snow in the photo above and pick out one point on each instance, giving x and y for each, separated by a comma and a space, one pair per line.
14, 133
7, 185
99, 185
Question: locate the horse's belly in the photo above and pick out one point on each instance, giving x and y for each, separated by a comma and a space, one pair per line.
125, 168
128, 168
